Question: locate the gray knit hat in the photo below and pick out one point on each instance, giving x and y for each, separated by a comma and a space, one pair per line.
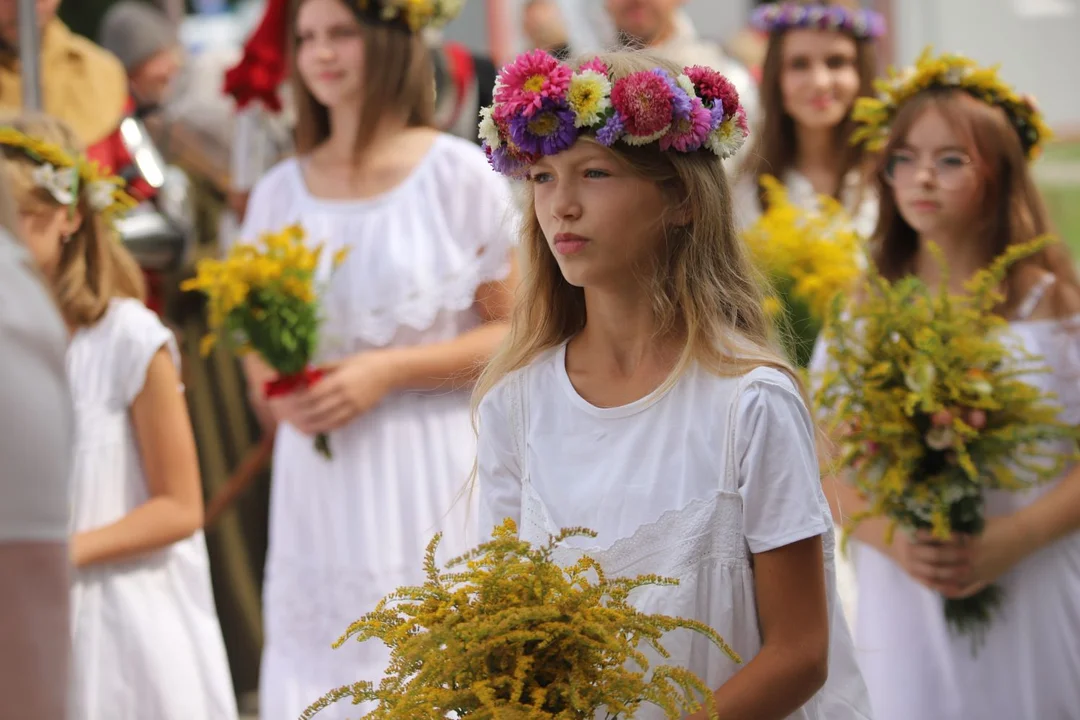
135, 31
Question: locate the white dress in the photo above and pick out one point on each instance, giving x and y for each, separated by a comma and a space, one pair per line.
145, 633
685, 483
346, 532
1030, 665
858, 199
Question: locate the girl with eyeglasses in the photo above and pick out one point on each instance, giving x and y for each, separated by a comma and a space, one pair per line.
955, 172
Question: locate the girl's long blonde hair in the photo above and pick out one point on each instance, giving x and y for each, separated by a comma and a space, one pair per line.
705, 287
94, 266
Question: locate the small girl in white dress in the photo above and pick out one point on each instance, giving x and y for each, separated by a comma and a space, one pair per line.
639, 393
145, 636
954, 173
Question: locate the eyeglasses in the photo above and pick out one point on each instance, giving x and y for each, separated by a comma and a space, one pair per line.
951, 170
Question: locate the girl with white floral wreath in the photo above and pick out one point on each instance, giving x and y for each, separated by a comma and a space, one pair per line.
416, 308
146, 642
640, 393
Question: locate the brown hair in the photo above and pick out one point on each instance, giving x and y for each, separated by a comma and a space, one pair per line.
704, 288
774, 149
398, 76
1014, 211
94, 266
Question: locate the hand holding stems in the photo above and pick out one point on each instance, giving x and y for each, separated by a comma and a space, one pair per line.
965, 564
349, 388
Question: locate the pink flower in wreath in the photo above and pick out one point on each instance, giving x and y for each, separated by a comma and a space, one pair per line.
689, 134
711, 86
596, 64
644, 100
529, 80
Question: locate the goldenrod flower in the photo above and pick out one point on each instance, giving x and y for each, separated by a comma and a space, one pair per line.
809, 256
933, 408
506, 632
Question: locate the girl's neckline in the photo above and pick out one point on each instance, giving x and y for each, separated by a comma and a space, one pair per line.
386, 196
619, 411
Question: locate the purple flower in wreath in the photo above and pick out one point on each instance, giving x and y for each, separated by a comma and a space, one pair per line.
505, 161
680, 101
548, 131
612, 130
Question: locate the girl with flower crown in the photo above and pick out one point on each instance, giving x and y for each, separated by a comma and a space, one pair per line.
820, 57
954, 171
640, 394
145, 636
415, 309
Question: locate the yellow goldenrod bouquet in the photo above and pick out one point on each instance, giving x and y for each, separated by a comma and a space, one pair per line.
809, 257
506, 633
263, 298
932, 409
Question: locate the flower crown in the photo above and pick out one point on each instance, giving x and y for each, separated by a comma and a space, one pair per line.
62, 175
876, 115
542, 106
779, 17
416, 14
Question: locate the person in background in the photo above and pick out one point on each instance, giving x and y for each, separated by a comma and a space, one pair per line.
463, 84
146, 642
955, 173
820, 58
412, 313
545, 29
36, 440
667, 31
82, 84
145, 41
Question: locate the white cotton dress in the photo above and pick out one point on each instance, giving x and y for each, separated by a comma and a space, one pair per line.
688, 483
346, 532
1029, 666
146, 642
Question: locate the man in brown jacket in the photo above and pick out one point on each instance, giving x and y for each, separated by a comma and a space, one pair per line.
81, 83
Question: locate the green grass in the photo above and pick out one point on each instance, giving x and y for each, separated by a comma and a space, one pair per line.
1063, 200
1062, 152
1064, 204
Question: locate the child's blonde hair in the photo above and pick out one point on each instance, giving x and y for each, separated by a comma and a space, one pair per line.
705, 288
94, 266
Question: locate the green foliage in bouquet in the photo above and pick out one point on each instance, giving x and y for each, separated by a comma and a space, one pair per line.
506, 633
262, 297
933, 409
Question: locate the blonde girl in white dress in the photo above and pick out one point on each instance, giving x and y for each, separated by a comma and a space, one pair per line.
954, 173
145, 636
410, 316
639, 394
820, 57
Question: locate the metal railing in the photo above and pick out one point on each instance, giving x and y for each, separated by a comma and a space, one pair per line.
30, 54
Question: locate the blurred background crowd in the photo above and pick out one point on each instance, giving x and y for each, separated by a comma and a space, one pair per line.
144, 85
